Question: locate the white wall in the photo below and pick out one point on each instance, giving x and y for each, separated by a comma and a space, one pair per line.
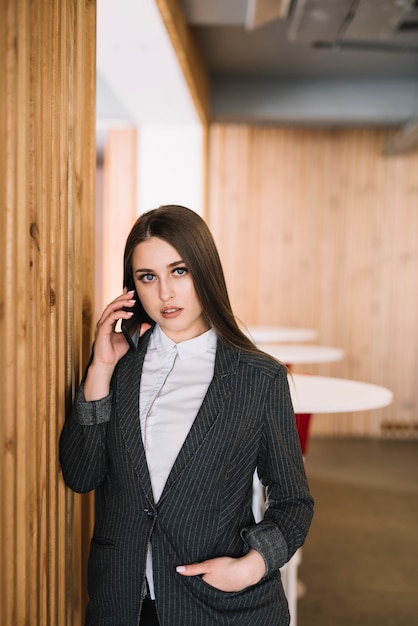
170, 167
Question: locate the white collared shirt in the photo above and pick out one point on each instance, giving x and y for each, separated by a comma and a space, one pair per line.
175, 379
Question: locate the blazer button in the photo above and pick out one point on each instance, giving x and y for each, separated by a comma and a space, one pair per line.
149, 513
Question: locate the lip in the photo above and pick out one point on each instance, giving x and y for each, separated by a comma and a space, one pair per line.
169, 312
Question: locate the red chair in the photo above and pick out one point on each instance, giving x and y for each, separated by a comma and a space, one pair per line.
303, 421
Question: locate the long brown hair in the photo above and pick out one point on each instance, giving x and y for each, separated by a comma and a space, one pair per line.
188, 233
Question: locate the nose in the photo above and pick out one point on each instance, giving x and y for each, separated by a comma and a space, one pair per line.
166, 291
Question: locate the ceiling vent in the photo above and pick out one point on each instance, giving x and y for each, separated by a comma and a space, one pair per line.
386, 24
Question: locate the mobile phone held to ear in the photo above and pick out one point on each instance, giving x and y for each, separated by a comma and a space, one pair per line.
126, 333
130, 326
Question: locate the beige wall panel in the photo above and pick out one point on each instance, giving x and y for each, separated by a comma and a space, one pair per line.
317, 228
117, 212
47, 161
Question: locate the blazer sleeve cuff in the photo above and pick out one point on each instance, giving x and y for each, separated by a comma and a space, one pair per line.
94, 412
268, 540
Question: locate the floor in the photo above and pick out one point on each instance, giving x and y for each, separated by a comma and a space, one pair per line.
360, 560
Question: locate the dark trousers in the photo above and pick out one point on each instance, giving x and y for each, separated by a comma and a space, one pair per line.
148, 613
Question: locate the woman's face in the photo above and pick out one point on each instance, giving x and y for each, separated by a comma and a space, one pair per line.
166, 290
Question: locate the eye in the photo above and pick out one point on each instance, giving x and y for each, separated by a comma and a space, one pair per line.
180, 271
146, 278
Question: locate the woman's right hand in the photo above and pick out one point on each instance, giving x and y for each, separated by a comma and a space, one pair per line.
109, 347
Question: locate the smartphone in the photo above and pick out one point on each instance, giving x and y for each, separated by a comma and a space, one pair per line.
126, 332
130, 326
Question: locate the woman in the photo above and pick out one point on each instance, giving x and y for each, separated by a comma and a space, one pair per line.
169, 431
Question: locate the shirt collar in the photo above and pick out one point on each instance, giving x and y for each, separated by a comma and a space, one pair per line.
185, 349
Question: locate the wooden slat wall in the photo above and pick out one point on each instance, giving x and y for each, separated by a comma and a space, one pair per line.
317, 228
47, 163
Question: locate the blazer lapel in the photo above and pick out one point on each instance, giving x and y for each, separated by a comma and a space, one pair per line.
127, 407
226, 363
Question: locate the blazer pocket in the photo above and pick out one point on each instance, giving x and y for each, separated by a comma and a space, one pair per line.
266, 592
209, 590
102, 542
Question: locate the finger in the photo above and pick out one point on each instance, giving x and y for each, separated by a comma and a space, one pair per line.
125, 299
108, 324
193, 569
115, 310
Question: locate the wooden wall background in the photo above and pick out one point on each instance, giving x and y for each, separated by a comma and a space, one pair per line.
316, 228
47, 178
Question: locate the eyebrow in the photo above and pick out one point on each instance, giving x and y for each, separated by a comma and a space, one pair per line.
150, 271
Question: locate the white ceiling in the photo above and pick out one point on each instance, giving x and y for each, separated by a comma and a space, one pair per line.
139, 79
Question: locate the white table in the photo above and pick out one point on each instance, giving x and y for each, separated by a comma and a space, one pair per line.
294, 354
282, 334
324, 394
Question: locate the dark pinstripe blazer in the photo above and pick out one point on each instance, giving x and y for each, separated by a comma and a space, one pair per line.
245, 421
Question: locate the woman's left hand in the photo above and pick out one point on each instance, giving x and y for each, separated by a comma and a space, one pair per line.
226, 573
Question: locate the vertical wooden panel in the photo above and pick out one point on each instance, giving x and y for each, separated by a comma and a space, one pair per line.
188, 55
47, 161
317, 228
4, 407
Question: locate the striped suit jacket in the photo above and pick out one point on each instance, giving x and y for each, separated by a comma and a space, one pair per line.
245, 422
